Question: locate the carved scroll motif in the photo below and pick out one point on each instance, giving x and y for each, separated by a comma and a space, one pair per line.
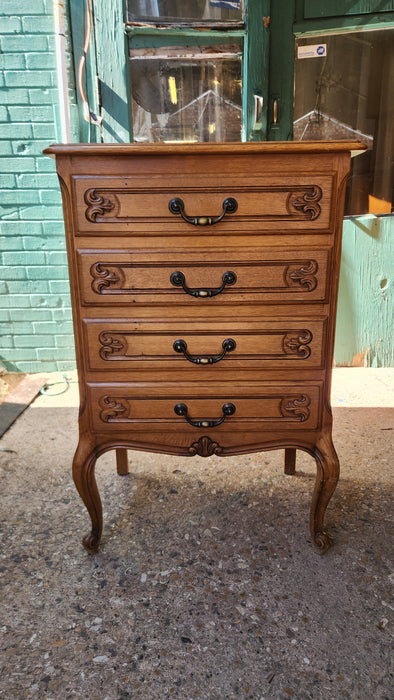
113, 344
297, 408
112, 410
307, 202
297, 345
97, 205
304, 275
205, 447
105, 278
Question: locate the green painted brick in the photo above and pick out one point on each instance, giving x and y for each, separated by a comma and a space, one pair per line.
64, 314
40, 60
44, 131
28, 147
19, 355
17, 165
20, 197
40, 113
25, 7
41, 24
12, 61
28, 287
5, 148
30, 315
13, 96
50, 197
37, 180
50, 354
23, 258
7, 181
11, 130
20, 327
18, 228
59, 287
54, 227
56, 258
16, 300
4, 315
13, 273
52, 327
52, 301
54, 243
10, 25
32, 340
43, 96
23, 43
3, 113
44, 164
11, 243
6, 341
32, 367
57, 272
14, 78
32, 213
3, 290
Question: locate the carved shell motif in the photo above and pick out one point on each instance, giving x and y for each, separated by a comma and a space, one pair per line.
297, 408
297, 344
97, 205
307, 202
304, 275
205, 447
104, 277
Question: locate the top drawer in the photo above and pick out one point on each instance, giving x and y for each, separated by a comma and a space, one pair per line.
142, 204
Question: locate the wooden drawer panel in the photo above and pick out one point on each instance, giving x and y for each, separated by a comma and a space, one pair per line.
107, 205
108, 277
133, 407
204, 346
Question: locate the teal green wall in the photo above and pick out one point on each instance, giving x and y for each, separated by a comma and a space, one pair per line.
35, 314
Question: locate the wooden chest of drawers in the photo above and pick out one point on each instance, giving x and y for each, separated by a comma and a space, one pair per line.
204, 284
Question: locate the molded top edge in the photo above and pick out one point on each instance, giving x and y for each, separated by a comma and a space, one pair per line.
235, 148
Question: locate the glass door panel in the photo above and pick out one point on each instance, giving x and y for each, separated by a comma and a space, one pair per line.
187, 93
202, 12
344, 90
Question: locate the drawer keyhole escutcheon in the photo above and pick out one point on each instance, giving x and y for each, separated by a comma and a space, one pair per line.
228, 409
178, 279
228, 345
176, 206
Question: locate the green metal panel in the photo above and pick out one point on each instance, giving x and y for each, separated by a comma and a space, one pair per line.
338, 8
365, 318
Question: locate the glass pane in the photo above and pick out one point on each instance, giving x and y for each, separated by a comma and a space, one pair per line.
344, 90
172, 11
187, 94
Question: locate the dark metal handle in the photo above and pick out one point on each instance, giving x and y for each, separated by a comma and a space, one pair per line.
228, 345
176, 206
228, 409
178, 280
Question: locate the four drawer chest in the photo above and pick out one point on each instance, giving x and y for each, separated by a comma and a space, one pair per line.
204, 286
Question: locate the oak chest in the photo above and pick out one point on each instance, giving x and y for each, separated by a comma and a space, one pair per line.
204, 285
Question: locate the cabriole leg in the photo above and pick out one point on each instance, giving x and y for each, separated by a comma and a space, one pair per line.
85, 481
326, 480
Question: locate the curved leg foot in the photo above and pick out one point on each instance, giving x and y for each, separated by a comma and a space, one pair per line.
85, 481
326, 480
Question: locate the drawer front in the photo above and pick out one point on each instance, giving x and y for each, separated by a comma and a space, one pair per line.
108, 277
204, 346
128, 408
107, 205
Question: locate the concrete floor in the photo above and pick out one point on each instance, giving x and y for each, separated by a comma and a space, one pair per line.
206, 585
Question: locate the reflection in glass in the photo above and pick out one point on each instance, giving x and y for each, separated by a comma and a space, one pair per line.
191, 11
348, 94
187, 94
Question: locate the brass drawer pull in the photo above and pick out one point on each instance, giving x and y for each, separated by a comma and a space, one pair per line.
176, 206
228, 345
228, 409
178, 279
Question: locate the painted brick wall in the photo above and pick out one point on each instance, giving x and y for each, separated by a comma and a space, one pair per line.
35, 313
